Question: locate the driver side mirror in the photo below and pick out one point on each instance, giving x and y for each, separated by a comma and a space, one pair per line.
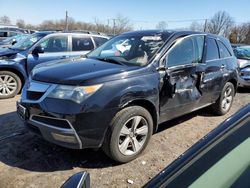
38, 50
78, 180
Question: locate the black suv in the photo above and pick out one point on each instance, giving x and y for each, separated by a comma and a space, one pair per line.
116, 97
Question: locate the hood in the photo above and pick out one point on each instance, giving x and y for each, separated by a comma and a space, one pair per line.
78, 72
8, 51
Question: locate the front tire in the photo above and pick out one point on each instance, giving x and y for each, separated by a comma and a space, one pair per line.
225, 101
10, 84
129, 134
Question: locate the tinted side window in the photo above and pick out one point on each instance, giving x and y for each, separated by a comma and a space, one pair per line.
3, 34
11, 34
99, 41
212, 49
223, 50
55, 44
82, 43
182, 52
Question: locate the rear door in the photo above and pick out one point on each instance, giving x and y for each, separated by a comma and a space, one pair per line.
56, 47
81, 45
213, 77
182, 86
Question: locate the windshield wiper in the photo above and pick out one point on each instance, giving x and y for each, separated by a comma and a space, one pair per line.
109, 60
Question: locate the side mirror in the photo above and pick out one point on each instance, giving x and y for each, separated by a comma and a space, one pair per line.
38, 50
78, 180
13, 42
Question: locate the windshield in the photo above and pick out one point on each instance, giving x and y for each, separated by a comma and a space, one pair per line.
242, 52
134, 50
26, 42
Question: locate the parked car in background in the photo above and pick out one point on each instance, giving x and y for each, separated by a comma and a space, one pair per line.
5, 33
242, 52
150, 77
17, 61
8, 42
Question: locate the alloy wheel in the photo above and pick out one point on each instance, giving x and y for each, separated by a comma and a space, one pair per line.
8, 85
133, 135
227, 99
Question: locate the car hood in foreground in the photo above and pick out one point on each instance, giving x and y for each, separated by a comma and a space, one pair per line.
78, 72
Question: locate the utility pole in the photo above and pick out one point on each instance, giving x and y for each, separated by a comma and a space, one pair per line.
114, 20
66, 20
205, 25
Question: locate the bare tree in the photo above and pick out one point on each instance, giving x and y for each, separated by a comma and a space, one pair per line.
240, 34
121, 24
195, 26
5, 20
20, 23
220, 24
162, 25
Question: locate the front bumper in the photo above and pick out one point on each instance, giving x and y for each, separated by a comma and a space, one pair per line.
64, 122
244, 78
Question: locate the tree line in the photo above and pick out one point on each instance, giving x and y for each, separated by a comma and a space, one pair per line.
221, 23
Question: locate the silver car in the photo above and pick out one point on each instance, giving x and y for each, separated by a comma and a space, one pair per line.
243, 55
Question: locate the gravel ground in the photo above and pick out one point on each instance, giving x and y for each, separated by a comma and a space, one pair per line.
28, 161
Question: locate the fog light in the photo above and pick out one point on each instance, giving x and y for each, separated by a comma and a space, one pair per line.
64, 138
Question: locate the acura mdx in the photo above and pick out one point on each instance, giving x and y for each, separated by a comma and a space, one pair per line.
118, 94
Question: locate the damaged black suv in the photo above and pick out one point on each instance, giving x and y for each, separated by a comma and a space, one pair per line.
117, 95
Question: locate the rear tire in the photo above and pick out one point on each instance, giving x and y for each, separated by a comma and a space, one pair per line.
10, 84
129, 134
225, 101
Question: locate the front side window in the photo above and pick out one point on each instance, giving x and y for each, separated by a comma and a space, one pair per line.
80, 43
130, 49
223, 50
212, 50
11, 34
55, 44
186, 51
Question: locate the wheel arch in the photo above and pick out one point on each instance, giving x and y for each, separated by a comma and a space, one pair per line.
149, 106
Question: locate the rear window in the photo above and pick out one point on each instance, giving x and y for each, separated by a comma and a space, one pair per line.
99, 41
212, 50
223, 50
80, 43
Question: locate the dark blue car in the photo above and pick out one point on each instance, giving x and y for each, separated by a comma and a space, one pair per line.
17, 61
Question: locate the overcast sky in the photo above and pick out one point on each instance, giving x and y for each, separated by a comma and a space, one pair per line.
143, 14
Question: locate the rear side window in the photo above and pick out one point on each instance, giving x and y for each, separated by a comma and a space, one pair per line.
212, 49
99, 41
80, 43
223, 50
3, 34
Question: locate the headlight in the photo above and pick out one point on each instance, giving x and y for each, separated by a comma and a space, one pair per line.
76, 94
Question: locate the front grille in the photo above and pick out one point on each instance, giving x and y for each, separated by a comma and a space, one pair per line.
55, 122
34, 95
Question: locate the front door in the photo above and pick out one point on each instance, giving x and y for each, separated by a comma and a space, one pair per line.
55, 48
182, 86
